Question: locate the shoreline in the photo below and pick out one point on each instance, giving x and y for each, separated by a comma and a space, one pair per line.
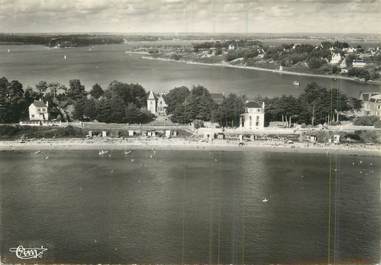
256, 68
186, 145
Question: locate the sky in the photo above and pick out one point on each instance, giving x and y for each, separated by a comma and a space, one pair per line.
187, 16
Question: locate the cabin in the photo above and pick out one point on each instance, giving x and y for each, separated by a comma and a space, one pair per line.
38, 111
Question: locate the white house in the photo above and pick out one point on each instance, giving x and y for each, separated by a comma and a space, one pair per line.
161, 105
375, 105
232, 46
38, 111
254, 116
343, 64
371, 103
358, 64
151, 103
336, 58
156, 104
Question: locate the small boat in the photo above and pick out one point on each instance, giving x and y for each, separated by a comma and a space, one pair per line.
296, 83
127, 152
102, 152
9, 50
265, 200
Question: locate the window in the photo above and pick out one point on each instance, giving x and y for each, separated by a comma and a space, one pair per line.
257, 121
250, 121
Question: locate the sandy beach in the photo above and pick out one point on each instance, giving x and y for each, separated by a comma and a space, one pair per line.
259, 69
185, 144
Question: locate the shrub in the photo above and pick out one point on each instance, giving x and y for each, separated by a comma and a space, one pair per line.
198, 124
370, 136
8, 132
377, 124
366, 121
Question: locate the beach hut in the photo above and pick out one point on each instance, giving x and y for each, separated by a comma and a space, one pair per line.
220, 136
336, 139
104, 133
168, 133
174, 134
313, 139
90, 134
130, 133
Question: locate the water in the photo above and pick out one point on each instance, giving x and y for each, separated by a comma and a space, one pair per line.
103, 64
191, 207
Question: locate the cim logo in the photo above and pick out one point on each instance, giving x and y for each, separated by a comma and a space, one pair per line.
28, 253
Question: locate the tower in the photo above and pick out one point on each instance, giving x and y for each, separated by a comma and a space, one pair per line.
151, 103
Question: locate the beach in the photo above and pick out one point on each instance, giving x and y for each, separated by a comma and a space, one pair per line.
186, 145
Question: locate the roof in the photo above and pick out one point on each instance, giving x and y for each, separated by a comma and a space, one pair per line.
376, 98
218, 98
252, 104
151, 95
39, 104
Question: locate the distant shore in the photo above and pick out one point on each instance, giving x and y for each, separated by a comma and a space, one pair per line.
184, 144
261, 69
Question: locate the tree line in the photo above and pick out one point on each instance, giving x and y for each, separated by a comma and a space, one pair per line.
119, 103
126, 103
316, 105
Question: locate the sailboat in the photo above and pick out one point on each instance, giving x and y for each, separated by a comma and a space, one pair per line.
65, 57
9, 50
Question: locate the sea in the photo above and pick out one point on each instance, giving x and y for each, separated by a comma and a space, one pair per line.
104, 63
191, 207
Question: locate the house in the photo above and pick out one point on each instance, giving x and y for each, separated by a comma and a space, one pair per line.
368, 106
161, 105
336, 59
156, 104
151, 103
374, 105
232, 46
350, 50
358, 64
254, 116
38, 111
343, 64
